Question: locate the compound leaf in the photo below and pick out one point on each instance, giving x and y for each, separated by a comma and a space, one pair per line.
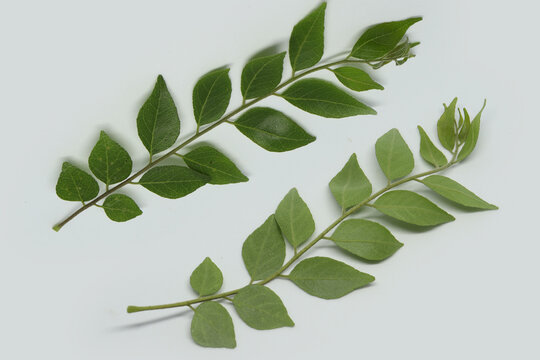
306, 44
173, 181
211, 96
206, 279
350, 186
212, 326
75, 184
120, 208
394, 156
209, 161
108, 161
295, 219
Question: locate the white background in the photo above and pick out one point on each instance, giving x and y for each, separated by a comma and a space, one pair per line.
464, 290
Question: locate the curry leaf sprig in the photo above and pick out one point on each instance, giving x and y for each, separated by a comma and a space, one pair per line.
158, 123
264, 251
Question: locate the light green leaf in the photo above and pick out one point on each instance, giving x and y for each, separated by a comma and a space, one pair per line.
206, 279
209, 161
323, 98
366, 239
411, 208
328, 278
350, 186
429, 151
120, 208
446, 126
472, 136
264, 250
356, 79
272, 130
306, 45
452, 190
109, 161
295, 219
75, 184
211, 96
394, 156
173, 181
261, 75
260, 308
464, 130
212, 326
157, 122
382, 38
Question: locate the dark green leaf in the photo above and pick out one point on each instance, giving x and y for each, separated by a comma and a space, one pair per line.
119, 207
260, 308
350, 186
429, 151
356, 79
108, 161
411, 208
173, 181
158, 123
295, 219
446, 126
75, 184
206, 279
323, 98
264, 250
306, 45
328, 278
211, 96
212, 326
272, 130
366, 239
209, 161
261, 75
472, 136
394, 156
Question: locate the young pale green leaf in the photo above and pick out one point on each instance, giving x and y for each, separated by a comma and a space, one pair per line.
120, 208
356, 79
454, 191
75, 184
109, 161
366, 239
350, 186
446, 126
272, 130
211, 96
264, 250
411, 208
382, 38
472, 136
306, 45
429, 151
261, 75
206, 279
173, 181
261, 308
394, 156
328, 278
464, 127
323, 98
209, 161
157, 122
212, 326
295, 219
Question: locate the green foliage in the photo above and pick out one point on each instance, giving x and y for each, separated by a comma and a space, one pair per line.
350, 186
471, 136
429, 151
394, 156
356, 79
211, 96
306, 45
108, 161
261, 75
120, 208
212, 326
446, 126
206, 279
75, 184
173, 181
209, 161
295, 219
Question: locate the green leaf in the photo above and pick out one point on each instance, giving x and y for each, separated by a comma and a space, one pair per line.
472, 136
366, 239
306, 45
295, 219
260, 308
211, 96
356, 79
272, 130
429, 151
173, 181
206, 279
157, 122
261, 75
264, 250
453, 191
446, 126
464, 131
382, 38
394, 156
212, 326
328, 278
109, 161
350, 186
411, 208
75, 184
120, 208
209, 161
323, 98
